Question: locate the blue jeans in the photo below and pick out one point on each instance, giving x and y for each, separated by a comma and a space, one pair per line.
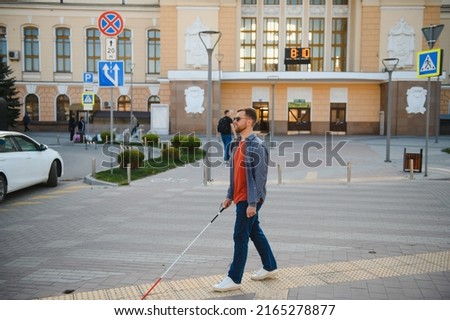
226, 139
245, 229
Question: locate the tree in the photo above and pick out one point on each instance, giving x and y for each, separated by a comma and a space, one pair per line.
9, 93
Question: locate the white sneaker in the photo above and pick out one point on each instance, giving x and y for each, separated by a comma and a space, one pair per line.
226, 284
264, 274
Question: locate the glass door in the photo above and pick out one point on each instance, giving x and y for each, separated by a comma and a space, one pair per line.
262, 115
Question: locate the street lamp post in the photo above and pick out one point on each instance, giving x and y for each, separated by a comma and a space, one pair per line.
431, 34
273, 80
206, 39
389, 67
131, 65
219, 58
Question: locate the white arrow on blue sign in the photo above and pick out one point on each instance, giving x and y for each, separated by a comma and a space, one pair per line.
111, 73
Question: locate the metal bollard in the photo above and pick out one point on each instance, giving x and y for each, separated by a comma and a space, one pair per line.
349, 171
411, 169
129, 173
279, 174
205, 181
94, 166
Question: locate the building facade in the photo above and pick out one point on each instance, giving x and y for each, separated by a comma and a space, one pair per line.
306, 66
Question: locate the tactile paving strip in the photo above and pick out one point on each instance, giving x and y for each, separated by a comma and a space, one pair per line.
278, 288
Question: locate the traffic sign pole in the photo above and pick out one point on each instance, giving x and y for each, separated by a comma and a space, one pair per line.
110, 24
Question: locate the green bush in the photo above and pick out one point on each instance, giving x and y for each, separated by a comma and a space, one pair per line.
105, 134
171, 154
175, 140
152, 139
130, 156
191, 142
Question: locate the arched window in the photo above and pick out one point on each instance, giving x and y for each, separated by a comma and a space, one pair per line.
62, 108
152, 100
32, 106
123, 103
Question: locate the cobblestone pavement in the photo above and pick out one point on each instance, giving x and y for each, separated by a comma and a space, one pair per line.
369, 232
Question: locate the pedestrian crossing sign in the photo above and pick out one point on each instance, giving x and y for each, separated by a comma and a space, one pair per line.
88, 99
429, 63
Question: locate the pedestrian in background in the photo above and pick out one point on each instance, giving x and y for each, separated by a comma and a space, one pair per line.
134, 124
248, 177
81, 128
72, 126
26, 122
226, 130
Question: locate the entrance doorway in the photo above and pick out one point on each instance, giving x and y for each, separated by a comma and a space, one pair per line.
299, 119
262, 116
338, 117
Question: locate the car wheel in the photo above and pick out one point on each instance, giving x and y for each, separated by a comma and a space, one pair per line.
2, 188
53, 175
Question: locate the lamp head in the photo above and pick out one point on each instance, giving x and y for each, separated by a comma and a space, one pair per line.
390, 64
208, 35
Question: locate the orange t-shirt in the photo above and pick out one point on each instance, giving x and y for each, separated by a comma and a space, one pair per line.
239, 175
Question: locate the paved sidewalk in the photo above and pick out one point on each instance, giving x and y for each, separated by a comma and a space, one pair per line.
379, 236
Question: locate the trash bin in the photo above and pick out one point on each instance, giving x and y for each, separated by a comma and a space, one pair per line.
417, 161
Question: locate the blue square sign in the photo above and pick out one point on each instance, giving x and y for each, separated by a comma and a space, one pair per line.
111, 73
429, 63
88, 77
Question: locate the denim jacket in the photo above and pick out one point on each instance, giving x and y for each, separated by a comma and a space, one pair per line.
256, 163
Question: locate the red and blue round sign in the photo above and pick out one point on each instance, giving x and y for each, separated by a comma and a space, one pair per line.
110, 23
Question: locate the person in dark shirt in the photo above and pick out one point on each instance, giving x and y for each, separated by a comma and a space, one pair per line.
226, 130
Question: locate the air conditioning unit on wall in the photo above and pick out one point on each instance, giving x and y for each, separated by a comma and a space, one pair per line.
14, 55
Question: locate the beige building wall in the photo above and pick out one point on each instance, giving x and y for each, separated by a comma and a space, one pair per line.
370, 22
370, 38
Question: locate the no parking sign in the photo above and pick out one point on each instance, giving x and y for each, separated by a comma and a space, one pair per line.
110, 23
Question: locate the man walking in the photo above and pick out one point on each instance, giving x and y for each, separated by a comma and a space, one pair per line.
26, 122
248, 176
226, 129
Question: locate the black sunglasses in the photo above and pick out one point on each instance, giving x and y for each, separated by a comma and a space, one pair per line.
237, 119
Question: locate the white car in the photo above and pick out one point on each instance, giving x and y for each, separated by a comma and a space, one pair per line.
25, 162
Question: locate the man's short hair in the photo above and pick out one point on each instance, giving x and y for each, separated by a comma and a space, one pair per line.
226, 111
249, 112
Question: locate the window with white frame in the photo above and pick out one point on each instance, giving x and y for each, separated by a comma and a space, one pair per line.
31, 49
248, 44
62, 51
3, 45
93, 49
124, 49
154, 51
